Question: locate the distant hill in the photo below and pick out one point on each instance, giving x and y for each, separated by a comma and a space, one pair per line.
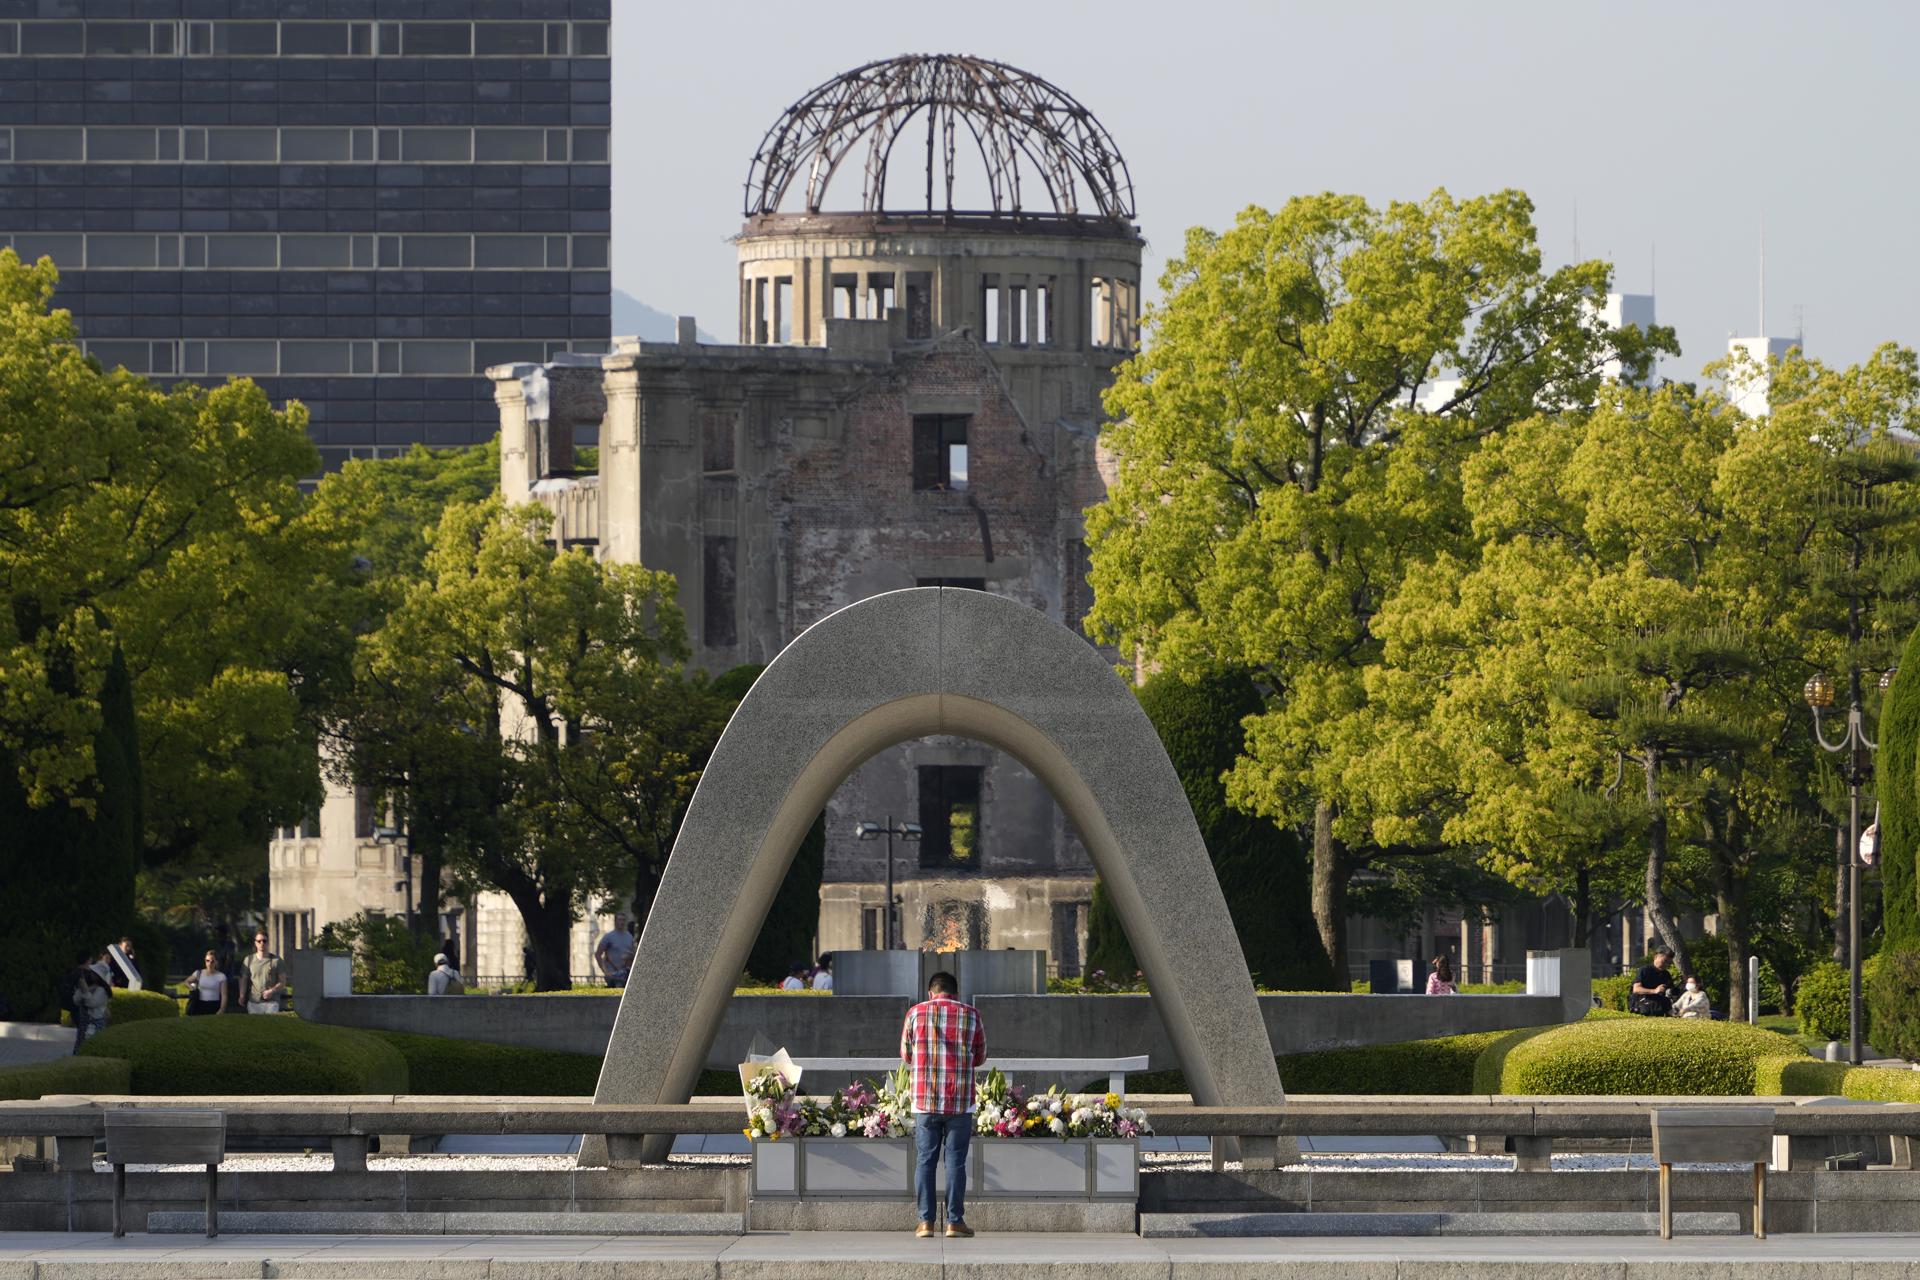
634, 318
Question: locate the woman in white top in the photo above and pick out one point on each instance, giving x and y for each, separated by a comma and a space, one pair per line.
207, 989
1693, 1002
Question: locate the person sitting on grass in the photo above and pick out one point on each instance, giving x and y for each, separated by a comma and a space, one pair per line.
1693, 1002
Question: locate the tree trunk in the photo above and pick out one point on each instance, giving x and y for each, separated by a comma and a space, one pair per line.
1730, 905
548, 919
1330, 894
426, 920
1582, 907
1657, 909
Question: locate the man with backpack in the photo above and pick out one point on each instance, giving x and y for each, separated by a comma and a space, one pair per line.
1653, 986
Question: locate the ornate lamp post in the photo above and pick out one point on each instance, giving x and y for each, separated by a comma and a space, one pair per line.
1857, 767
873, 830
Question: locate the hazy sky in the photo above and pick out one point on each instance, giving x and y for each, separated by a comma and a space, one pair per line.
1672, 128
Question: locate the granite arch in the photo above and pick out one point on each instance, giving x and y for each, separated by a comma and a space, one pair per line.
906, 664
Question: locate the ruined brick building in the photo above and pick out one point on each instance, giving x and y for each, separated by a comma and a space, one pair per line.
914, 399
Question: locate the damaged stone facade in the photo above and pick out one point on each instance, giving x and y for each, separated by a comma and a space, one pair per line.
912, 403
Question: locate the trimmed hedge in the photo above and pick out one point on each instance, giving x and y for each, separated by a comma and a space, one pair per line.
134, 1006
437, 1064
1890, 984
251, 1054
1882, 1084
63, 1075
1798, 1076
1441, 1065
1630, 1055
1612, 993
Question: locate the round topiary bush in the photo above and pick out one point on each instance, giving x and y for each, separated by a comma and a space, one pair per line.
1820, 1002
1891, 991
63, 1075
1633, 1055
251, 1054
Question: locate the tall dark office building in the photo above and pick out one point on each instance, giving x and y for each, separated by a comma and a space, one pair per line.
359, 203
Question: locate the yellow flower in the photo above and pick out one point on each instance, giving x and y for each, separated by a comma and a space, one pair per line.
1113, 1100
747, 1132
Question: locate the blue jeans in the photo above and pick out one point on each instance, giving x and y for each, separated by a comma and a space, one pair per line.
930, 1133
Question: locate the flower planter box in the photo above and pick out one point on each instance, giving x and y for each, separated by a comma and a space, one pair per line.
840, 1168
999, 1168
1074, 1169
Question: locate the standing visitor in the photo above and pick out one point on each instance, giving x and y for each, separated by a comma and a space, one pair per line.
445, 979
1440, 981
614, 955
207, 990
266, 978
942, 1042
85, 995
1653, 987
823, 976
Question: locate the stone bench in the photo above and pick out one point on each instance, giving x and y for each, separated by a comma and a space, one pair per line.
1713, 1135
165, 1137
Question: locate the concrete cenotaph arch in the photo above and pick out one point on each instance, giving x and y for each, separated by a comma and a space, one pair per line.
936, 660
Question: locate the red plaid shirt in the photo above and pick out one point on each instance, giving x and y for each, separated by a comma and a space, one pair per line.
942, 1042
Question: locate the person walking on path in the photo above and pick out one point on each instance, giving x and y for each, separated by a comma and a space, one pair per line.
1440, 981
266, 978
207, 990
445, 979
942, 1042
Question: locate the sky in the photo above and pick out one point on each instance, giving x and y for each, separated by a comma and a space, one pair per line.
1661, 137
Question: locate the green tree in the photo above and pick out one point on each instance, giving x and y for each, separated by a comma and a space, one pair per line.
1262, 867
1899, 792
1279, 474
1108, 950
530, 705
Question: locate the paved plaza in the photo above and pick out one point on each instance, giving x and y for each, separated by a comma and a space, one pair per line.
849, 1256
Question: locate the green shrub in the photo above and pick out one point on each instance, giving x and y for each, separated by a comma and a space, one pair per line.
251, 1054
1797, 1076
1512, 987
1892, 997
388, 959
1630, 1055
1882, 1084
1820, 1002
1896, 772
437, 1064
63, 1075
1612, 993
1440, 1065
134, 1006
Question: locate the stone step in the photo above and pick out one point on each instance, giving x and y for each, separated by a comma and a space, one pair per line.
250, 1222
1196, 1225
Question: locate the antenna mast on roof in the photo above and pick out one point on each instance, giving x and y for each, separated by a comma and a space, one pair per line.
1762, 330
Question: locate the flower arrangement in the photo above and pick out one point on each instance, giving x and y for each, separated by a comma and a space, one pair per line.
864, 1109
1003, 1110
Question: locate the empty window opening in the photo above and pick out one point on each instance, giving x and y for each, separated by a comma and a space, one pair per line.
716, 441
1043, 320
759, 334
783, 308
1017, 314
990, 309
950, 815
1100, 311
717, 629
919, 304
879, 295
940, 451
1069, 924
846, 297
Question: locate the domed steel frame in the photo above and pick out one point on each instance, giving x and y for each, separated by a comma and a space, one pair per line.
1010, 114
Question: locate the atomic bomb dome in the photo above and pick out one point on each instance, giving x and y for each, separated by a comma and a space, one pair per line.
988, 200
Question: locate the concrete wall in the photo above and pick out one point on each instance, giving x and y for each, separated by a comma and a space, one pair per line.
1017, 1026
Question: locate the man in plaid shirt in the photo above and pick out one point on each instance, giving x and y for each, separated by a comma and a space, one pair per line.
942, 1042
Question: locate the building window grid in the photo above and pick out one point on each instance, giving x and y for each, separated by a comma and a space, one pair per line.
186, 37
300, 357
313, 251
324, 144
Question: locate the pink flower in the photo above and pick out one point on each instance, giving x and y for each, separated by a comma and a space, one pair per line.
1127, 1128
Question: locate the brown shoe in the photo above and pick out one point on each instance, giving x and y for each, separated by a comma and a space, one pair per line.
959, 1231
923, 1231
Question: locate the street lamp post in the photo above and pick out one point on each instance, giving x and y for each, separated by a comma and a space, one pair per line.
390, 836
873, 830
1857, 767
